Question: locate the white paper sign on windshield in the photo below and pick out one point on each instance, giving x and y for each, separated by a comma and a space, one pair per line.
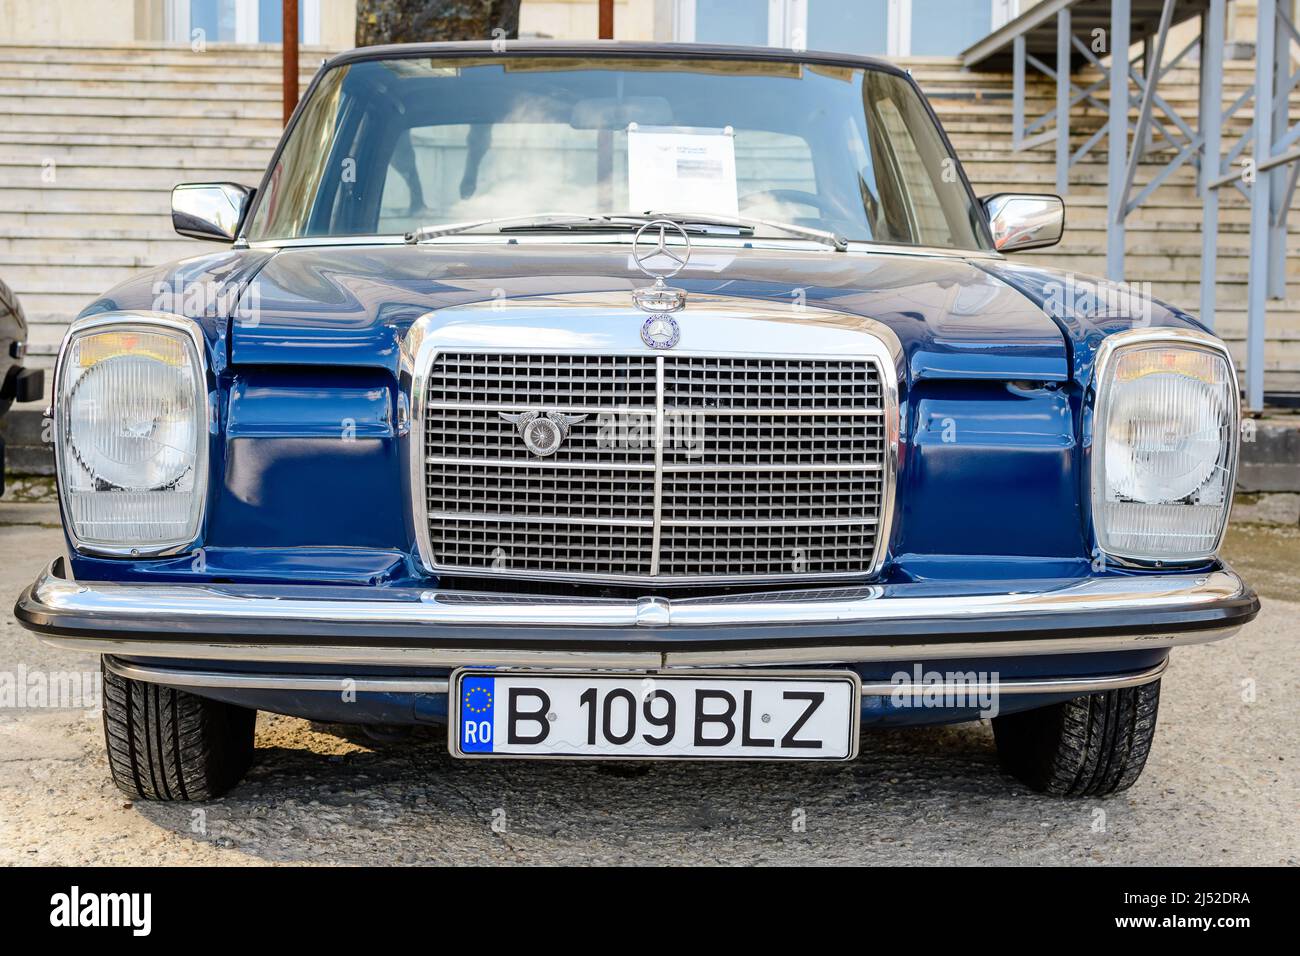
680, 169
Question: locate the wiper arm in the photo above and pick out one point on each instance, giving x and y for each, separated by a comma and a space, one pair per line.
539, 219
833, 239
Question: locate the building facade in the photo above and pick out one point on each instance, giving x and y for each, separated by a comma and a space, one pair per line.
330, 23
897, 28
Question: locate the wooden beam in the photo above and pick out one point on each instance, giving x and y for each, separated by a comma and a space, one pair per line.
290, 48
605, 138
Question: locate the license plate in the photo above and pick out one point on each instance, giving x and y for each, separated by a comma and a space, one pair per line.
791, 716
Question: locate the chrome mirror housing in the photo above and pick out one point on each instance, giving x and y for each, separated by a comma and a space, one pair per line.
1025, 220
209, 210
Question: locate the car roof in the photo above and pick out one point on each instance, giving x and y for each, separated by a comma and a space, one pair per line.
608, 48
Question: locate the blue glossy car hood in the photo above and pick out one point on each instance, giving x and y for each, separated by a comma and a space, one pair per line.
345, 306
1088, 309
351, 305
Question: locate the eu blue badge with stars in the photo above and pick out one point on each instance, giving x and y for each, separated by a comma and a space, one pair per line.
477, 697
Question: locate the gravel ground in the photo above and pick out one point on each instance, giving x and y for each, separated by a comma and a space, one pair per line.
1221, 786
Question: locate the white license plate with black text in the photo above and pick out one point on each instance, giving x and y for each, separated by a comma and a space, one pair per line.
798, 716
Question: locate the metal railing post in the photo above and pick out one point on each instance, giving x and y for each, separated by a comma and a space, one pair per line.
1279, 197
1063, 55
1117, 138
1152, 54
1018, 92
1211, 123
1260, 205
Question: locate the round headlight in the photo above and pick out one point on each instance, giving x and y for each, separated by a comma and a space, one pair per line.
132, 422
1164, 437
1165, 452
131, 406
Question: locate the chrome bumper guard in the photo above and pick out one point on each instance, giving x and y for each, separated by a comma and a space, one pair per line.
411, 627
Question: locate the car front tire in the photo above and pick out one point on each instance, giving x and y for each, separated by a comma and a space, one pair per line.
167, 744
1091, 746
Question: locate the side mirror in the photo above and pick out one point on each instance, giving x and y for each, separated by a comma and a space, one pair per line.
1025, 220
209, 210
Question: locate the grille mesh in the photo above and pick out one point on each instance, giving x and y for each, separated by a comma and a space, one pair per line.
770, 468
549, 381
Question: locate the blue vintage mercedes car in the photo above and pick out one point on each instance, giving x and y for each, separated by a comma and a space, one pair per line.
626, 402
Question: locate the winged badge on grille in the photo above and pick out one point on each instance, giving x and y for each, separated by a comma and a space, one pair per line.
543, 432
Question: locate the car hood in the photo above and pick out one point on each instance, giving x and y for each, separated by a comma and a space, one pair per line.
351, 305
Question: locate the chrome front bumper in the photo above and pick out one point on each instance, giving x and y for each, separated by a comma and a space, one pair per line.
412, 627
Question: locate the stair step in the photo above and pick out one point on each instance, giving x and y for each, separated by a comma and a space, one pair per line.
34, 263
72, 199
69, 223
198, 71
32, 108
76, 99
122, 177
156, 127
168, 87
147, 249
174, 142
129, 157
157, 55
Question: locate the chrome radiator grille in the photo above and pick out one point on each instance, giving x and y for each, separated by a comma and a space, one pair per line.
685, 469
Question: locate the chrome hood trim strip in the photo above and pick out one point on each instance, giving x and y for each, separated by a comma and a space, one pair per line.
791, 244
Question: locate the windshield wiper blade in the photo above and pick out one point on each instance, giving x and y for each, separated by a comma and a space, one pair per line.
564, 220
539, 219
623, 224
832, 239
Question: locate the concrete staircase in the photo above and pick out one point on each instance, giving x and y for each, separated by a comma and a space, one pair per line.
92, 139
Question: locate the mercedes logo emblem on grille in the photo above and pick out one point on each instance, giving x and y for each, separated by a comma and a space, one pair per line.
660, 331
543, 432
651, 244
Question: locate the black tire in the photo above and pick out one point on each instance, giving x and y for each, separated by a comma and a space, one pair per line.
167, 744
1090, 746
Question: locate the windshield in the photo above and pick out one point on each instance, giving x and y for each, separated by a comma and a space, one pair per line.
392, 146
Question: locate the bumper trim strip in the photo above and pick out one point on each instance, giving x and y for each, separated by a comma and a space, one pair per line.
793, 654
230, 680
234, 680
